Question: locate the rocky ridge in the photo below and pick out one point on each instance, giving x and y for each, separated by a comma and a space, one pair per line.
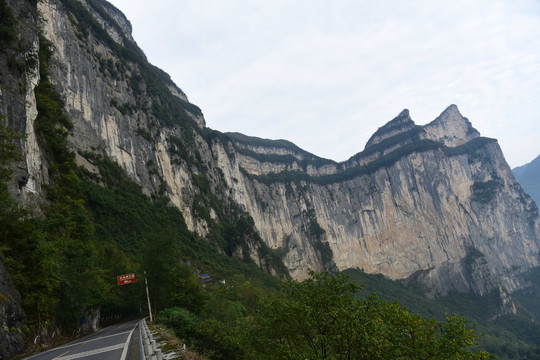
435, 204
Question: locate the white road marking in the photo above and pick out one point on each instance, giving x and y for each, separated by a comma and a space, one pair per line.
92, 352
87, 341
124, 353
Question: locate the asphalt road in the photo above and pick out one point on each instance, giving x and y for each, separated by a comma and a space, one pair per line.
110, 343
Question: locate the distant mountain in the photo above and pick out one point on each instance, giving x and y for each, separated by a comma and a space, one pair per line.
528, 177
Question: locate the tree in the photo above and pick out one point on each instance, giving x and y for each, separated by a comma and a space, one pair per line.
9, 151
321, 318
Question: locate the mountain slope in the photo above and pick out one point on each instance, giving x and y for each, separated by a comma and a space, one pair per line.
435, 203
528, 177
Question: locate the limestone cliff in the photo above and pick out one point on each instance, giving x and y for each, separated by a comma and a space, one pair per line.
18, 51
437, 202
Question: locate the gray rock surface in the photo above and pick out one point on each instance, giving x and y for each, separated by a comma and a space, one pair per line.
11, 317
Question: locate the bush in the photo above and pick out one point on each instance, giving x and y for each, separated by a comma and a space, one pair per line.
181, 320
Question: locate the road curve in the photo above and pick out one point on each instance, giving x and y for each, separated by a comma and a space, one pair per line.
110, 343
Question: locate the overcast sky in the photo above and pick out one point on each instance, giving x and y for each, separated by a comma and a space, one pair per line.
326, 74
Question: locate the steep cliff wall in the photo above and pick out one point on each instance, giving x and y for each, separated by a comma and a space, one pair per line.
18, 76
125, 109
435, 202
105, 82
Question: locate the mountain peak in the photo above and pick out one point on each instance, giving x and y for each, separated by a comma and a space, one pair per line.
399, 124
451, 128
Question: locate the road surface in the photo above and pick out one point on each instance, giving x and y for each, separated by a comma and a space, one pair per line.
110, 343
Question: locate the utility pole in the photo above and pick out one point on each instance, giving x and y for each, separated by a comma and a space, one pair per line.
148, 297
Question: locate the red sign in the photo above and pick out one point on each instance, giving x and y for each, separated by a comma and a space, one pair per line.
126, 279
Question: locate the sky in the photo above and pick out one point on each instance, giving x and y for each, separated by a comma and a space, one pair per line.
327, 74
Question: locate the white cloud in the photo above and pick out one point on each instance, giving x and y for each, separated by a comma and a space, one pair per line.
325, 75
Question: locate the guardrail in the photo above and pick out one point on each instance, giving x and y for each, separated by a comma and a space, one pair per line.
147, 345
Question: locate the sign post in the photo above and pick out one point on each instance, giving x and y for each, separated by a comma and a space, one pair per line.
126, 279
132, 278
148, 297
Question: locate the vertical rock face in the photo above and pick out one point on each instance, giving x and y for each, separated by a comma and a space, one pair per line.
18, 77
402, 123
11, 317
437, 202
113, 107
451, 128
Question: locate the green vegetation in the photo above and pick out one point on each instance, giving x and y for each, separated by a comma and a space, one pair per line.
92, 227
145, 134
317, 234
411, 135
235, 319
383, 161
7, 25
9, 152
508, 336
52, 258
321, 318
307, 158
473, 254
484, 192
255, 141
170, 110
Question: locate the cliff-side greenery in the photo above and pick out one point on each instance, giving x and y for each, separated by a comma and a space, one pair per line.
231, 320
484, 192
127, 218
399, 123
7, 25
167, 108
255, 141
288, 159
383, 161
9, 152
411, 135
52, 257
65, 260
317, 233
